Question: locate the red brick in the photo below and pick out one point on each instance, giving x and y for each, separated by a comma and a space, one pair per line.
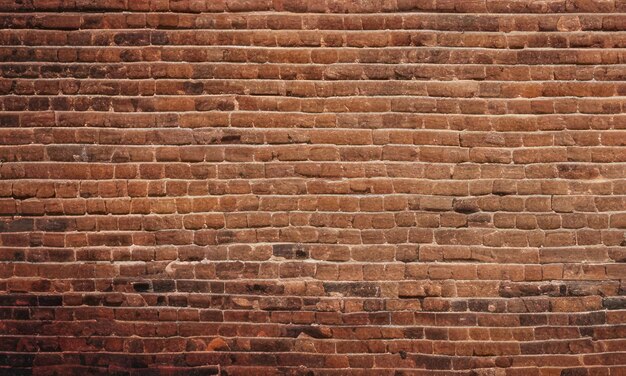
262, 185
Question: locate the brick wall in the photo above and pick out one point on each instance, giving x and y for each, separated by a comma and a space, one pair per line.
344, 187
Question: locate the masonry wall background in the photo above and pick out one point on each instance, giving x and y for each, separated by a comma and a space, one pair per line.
313, 187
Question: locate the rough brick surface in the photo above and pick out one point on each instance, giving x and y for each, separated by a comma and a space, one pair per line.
333, 187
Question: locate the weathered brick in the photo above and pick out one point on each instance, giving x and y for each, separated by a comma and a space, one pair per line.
347, 187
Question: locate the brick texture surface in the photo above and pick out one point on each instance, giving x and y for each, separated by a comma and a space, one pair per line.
313, 187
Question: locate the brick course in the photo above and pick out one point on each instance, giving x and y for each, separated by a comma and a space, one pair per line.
371, 187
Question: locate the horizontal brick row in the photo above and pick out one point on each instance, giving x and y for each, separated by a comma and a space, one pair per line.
363, 306
351, 63
324, 6
329, 170
354, 104
408, 326
461, 89
525, 221
465, 348
338, 253
209, 152
313, 38
501, 189
328, 21
267, 122
276, 130
327, 157
408, 281
141, 201
295, 361
176, 144
311, 234
425, 338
